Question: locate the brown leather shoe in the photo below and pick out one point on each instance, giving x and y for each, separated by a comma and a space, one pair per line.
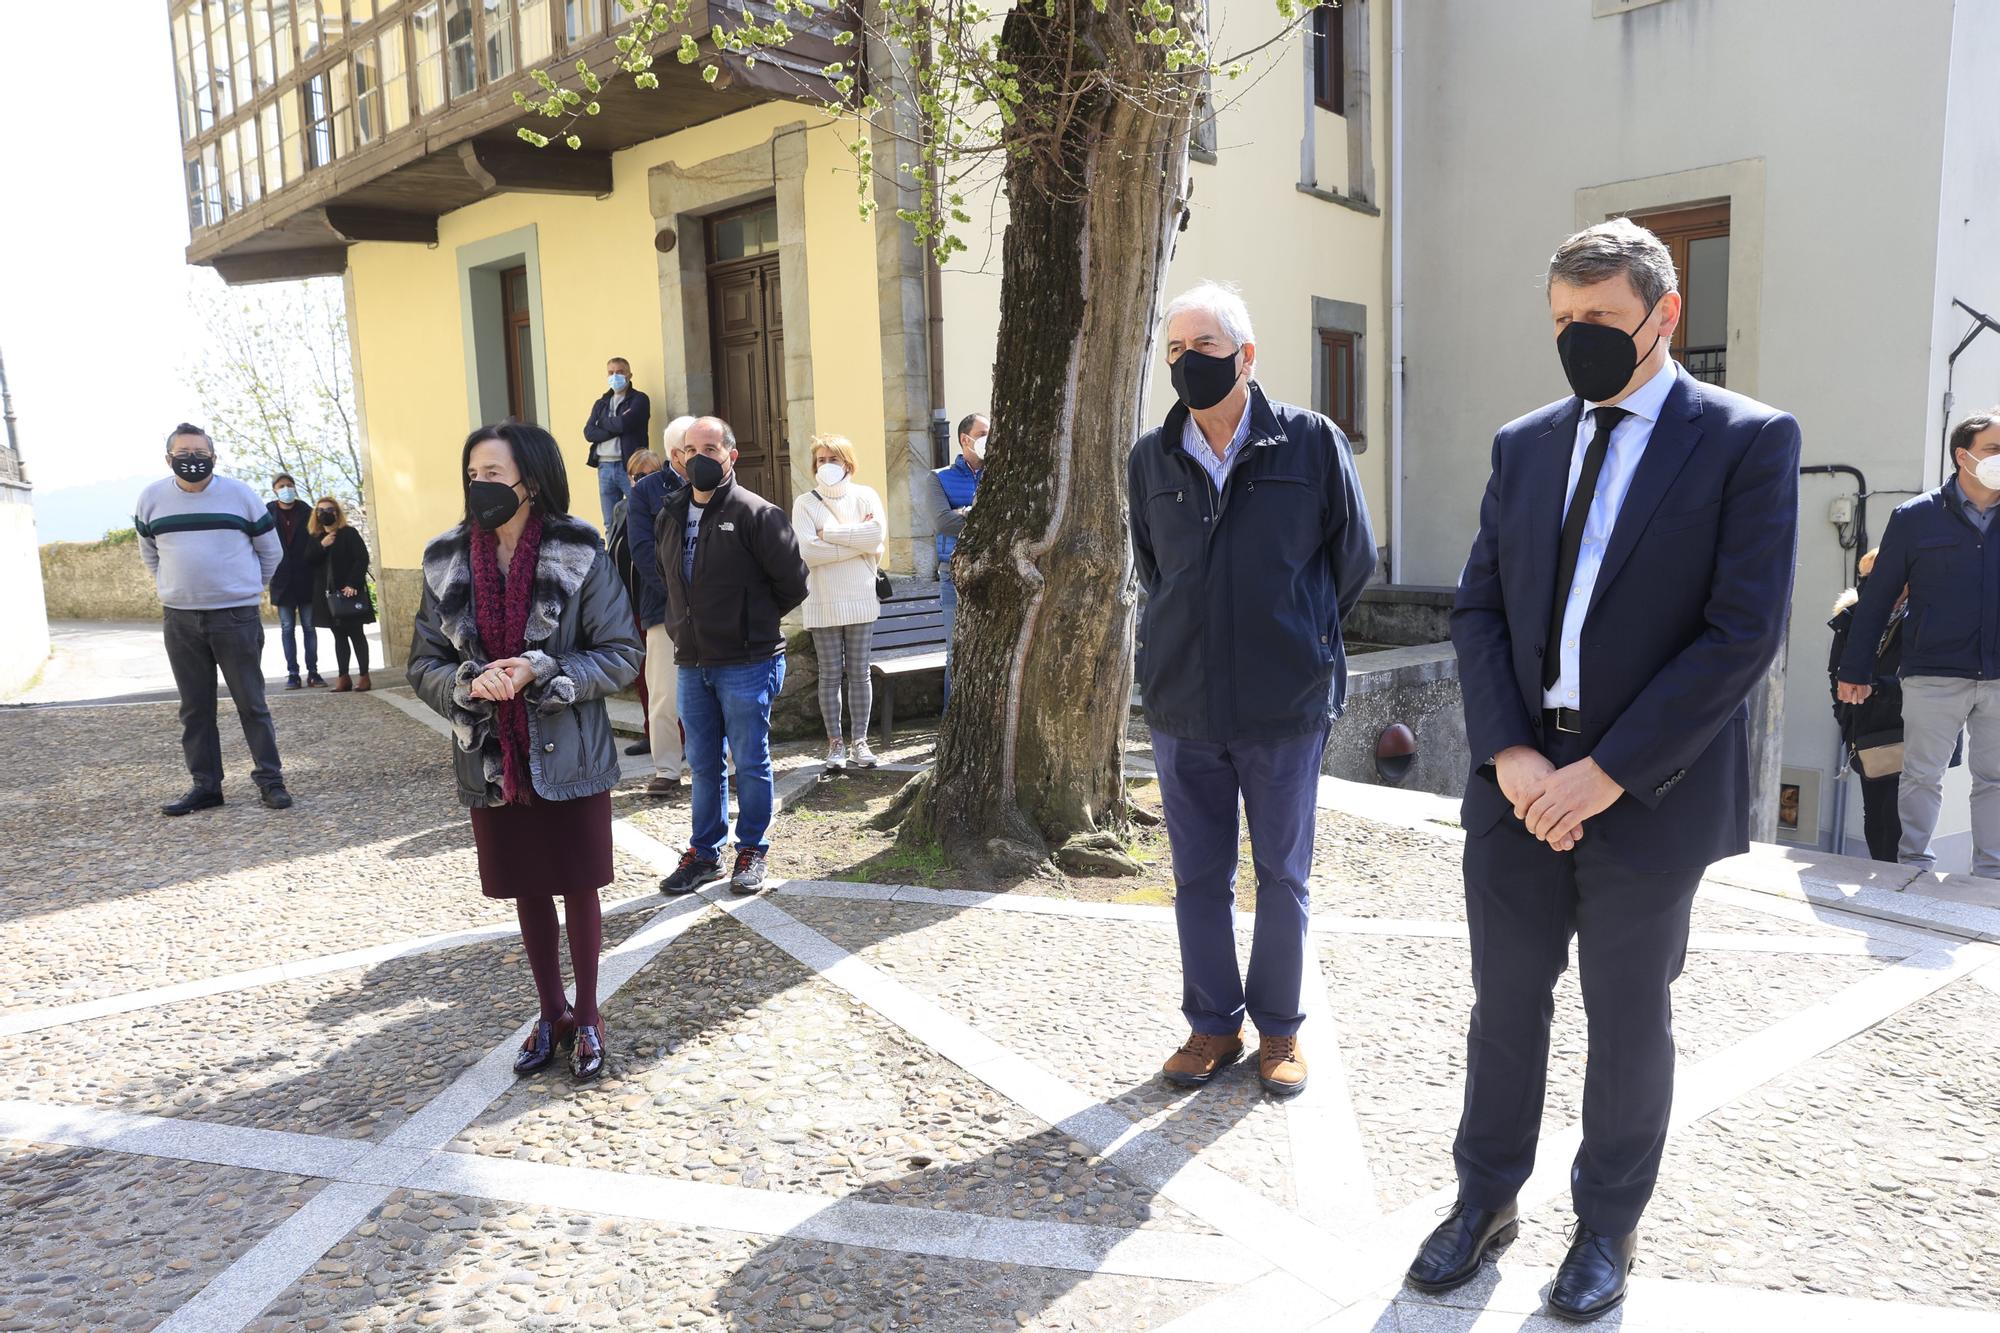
342, 684
662, 785
1201, 1057
1281, 1066
361, 682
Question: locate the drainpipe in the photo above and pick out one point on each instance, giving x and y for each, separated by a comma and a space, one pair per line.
1308, 155
1397, 207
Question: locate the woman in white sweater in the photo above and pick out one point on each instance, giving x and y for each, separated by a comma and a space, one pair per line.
839, 525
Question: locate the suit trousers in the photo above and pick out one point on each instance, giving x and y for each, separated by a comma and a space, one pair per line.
1524, 902
1278, 784
1935, 709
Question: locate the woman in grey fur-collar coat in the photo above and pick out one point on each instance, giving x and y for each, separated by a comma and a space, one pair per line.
523, 631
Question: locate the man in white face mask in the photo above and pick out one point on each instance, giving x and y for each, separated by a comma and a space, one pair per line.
1941, 545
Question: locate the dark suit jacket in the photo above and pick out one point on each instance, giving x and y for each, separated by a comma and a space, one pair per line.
628, 425
1688, 612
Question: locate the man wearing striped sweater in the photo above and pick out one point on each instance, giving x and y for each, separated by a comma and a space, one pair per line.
211, 546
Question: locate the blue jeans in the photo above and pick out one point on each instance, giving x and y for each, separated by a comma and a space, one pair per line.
300, 617
948, 599
612, 486
732, 703
1279, 785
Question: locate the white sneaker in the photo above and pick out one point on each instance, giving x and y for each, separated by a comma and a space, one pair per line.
863, 756
836, 756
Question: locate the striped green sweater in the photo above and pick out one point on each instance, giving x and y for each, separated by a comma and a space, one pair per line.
207, 549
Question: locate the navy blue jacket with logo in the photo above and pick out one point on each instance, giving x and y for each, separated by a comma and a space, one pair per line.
1246, 587
1953, 570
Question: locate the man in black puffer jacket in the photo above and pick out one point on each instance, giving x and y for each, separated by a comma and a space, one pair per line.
732, 568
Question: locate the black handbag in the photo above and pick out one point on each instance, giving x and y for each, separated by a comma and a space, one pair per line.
884, 589
348, 608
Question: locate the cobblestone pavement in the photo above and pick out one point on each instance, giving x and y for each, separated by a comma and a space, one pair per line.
254, 1074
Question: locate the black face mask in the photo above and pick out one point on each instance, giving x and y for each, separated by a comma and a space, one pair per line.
327, 518
1203, 381
704, 473
191, 467
1598, 359
492, 502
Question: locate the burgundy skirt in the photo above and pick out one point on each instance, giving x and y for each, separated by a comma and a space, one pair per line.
545, 847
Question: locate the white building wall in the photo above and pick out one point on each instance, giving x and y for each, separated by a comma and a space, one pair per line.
1524, 120
25, 645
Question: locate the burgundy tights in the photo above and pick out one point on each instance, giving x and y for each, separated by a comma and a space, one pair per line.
540, 935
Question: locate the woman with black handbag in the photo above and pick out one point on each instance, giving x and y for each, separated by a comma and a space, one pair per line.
340, 578
839, 527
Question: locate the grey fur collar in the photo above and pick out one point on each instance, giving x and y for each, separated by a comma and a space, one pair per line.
569, 548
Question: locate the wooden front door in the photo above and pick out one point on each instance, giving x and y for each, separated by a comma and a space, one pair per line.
747, 328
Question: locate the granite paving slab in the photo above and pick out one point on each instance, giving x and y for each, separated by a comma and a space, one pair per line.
351, 1054
1102, 1011
102, 1240
732, 1063
434, 1261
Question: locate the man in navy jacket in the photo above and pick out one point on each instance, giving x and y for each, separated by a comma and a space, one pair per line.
1628, 588
618, 427
1252, 540
1942, 546
642, 513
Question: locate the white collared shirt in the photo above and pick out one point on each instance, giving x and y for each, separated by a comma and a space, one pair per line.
1197, 444
1621, 462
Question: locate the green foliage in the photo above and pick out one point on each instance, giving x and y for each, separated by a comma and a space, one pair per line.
966, 104
119, 537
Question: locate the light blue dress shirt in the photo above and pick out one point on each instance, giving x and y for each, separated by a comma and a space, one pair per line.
1197, 444
1621, 461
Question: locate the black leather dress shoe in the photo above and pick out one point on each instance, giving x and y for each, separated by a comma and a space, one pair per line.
586, 1061
1592, 1278
1452, 1254
641, 746
539, 1050
276, 797
193, 801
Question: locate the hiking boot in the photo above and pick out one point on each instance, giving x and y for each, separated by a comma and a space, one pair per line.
315, 681
275, 796
292, 682
694, 871
1281, 1066
836, 757
1201, 1057
862, 756
193, 801
750, 866
343, 683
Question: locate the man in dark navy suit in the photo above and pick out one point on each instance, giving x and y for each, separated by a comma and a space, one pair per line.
1629, 587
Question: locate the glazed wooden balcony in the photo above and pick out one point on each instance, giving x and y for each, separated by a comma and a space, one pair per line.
308, 125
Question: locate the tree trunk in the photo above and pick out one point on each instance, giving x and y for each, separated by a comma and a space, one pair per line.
1032, 750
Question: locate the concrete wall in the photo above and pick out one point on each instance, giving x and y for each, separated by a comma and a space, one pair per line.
1417, 687
1250, 225
1823, 125
598, 295
26, 643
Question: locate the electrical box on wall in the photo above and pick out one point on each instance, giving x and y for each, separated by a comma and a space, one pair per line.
1841, 511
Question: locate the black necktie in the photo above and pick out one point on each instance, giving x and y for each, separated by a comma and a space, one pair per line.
1572, 535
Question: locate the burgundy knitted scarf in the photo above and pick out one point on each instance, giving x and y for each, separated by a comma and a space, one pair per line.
501, 608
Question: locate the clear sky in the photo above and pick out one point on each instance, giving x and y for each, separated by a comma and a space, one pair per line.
93, 232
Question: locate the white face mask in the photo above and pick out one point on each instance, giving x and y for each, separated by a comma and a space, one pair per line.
830, 474
979, 448
1988, 472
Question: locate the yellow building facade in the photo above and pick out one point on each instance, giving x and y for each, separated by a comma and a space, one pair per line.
713, 238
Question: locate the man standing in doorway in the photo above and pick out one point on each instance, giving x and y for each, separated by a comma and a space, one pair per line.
732, 569
292, 584
1253, 543
1942, 547
211, 546
617, 429
957, 487
1628, 588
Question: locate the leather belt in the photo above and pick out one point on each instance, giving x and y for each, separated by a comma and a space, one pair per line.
1566, 720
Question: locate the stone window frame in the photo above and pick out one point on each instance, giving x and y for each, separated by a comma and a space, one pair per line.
1349, 317
480, 302
1357, 49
